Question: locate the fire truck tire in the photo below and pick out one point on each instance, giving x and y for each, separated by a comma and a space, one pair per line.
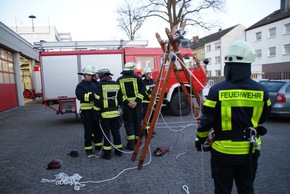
174, 105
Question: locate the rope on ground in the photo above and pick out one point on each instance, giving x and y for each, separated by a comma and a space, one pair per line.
64, 179
185, 188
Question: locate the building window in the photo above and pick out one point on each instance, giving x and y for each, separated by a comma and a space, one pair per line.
218, 72
202, 50
287, 28
272, 32
272, 51
287, 49
258, 36
143, 62
217, 59
208, 48
259, 53
208, 73
217, 46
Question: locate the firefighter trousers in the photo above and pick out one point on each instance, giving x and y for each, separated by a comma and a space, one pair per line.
224, 173
111, 126
132, 118
92, 131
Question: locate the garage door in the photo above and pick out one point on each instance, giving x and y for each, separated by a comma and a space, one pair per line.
8, 94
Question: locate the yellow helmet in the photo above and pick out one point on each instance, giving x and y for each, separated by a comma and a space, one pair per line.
147, 70
88, 70
95, 70
240, 52
129, 66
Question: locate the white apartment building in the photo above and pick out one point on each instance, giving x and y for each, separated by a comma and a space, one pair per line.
270, 38
215, 46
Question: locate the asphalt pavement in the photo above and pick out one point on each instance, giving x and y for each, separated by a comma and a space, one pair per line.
32, 136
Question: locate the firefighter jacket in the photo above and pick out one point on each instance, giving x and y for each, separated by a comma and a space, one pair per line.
132, 87
107, 98
85, 94
95, 83
149, 86
230, 109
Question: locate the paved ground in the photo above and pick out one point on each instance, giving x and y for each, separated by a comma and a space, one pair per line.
32, 136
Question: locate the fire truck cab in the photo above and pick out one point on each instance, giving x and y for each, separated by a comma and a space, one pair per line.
153, 58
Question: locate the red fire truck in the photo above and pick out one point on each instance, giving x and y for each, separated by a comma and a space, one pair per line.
61, 61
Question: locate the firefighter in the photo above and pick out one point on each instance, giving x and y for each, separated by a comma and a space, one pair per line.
85, 94
234, 109
99, 135
107, 100
132, 89
95, 76
149, 86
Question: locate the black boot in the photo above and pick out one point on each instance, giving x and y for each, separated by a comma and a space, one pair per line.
98, 148
118, 153
130, 145
89, 152
106, 155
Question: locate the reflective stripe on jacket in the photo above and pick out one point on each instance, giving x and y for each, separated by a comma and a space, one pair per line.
107, 99
149, 86
231, 108
85, 94
132, 88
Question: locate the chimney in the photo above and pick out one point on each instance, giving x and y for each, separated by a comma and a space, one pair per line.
221, 29
284, 5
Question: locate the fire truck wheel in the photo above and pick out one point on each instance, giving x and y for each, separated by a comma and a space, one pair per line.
175, 107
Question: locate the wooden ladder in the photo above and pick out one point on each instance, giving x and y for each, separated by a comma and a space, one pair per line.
157, 97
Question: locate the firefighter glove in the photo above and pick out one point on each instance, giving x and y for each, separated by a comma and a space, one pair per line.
261, 130
198, 143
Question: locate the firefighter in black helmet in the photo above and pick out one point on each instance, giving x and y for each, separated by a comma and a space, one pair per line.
107, 100
132, 89
234, 109
85, 94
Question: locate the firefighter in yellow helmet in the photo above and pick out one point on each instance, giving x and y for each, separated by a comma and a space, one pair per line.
234, 109
132, 89
98, 139
107, 100
85, 94
149, 86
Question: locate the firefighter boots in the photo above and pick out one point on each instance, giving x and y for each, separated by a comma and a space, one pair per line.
118, 152
106, 155
89, 152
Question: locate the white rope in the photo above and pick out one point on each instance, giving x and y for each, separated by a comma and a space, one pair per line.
126, 152
185, 188
64, 179
182, 126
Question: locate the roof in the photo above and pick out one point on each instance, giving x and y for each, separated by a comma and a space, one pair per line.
273, 17
211, 38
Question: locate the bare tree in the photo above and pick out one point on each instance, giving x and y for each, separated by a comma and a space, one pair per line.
131, 18
177, 13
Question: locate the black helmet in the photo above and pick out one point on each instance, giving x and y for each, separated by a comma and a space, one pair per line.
104, 71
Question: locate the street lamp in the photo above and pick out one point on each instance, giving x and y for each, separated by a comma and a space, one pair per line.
32, 17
